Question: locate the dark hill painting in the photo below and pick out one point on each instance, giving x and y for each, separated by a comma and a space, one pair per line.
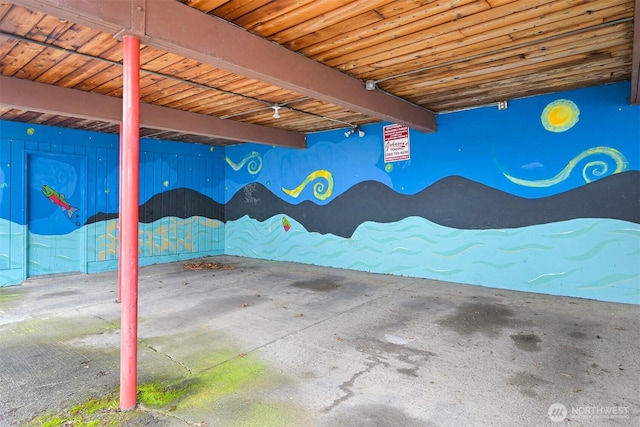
180, 203
454, 202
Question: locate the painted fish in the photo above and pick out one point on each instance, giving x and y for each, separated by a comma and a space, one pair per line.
286, 224
58, 200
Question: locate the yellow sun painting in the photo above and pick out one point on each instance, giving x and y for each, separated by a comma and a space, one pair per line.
560, 115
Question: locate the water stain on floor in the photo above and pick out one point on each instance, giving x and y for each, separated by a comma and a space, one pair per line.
371, 415
485, 318
321, 284
578, 335
527, 342
526, 383
59, 294
404, 358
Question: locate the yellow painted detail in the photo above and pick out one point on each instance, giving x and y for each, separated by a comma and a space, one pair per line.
319, 190
560, 115
177, 237
253, 162
596, 168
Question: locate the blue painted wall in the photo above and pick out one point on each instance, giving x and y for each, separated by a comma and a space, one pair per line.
59, 201
541, 197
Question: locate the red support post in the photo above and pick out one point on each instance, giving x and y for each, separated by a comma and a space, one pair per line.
129, 187
120, 257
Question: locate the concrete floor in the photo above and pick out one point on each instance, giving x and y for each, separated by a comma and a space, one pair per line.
261, 343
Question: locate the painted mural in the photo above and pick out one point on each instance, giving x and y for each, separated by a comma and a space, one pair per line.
55, 210
541, 197
4, 225
68, 220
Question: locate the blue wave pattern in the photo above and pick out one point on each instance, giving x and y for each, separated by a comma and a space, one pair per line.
5, 244
165, 240
11, 254
587, 258
54, 254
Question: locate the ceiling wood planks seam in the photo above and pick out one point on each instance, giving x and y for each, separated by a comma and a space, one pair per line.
33, 96
635, 68
233, 61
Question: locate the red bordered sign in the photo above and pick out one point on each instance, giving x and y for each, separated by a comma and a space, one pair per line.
396, 143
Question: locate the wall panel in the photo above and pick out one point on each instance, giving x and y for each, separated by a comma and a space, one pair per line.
172, 199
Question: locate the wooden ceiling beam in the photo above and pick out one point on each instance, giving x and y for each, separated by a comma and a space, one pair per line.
635, 61
176, 28
32, 96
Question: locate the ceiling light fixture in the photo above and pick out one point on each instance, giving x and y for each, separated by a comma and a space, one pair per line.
353, 130
370, 85
276, 113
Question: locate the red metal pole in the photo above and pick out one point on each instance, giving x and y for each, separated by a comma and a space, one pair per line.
129, 186
120, 257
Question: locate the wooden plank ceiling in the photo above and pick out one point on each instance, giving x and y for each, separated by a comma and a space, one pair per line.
433, 56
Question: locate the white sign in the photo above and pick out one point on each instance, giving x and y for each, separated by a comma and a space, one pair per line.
396, 143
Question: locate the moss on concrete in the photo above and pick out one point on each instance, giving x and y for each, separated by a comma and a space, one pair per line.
232, 376
50, 422
92, 406
162, 394
236, 391
208, 380
229, 383
267, 414
7, 298
229, 375
62, 329
102, 411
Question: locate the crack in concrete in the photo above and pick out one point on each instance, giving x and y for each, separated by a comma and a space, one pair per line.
165, 413
314, 324
110, 322
170, 415
150, 347
347, 385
